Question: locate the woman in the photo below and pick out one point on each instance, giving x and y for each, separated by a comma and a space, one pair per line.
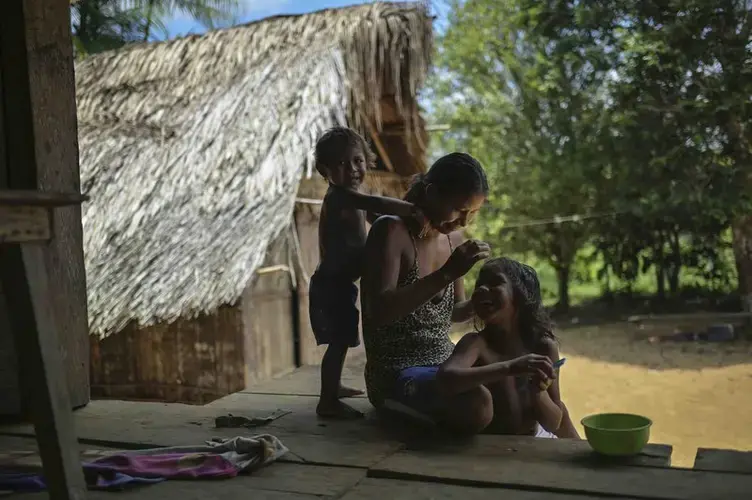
412, 291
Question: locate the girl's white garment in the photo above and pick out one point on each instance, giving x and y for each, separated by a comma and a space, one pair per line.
540, 432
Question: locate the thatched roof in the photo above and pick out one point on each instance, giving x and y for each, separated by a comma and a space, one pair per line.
192, 149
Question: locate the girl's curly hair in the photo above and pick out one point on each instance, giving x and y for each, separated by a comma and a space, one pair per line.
534, 322
332, 145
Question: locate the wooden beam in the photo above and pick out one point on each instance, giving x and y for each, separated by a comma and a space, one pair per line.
273, 269
309, 201
377, 142
20, 224
399, 130
716, 460
16, 197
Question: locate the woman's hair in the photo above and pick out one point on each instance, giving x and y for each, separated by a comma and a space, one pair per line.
534, 322
455, 174
334, 142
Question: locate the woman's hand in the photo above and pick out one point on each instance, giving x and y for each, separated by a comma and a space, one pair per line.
540, 367
465, 257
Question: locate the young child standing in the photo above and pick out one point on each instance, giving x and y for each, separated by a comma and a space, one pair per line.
342, 158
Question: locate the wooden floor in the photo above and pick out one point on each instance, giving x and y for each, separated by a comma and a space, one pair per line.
373, 459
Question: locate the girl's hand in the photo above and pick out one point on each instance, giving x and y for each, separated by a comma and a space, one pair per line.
538, 366
538, 384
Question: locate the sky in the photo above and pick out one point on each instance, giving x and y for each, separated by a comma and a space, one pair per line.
252, 10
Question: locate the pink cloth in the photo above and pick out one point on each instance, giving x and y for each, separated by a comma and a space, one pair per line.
187, 465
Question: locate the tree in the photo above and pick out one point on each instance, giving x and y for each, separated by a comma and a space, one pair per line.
109, 24
531, 111
679, 120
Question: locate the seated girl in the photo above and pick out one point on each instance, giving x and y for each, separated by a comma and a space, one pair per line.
517, 340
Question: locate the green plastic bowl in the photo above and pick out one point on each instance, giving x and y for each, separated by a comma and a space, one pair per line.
617, 434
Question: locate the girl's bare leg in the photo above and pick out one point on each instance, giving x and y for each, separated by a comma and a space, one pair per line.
469, 412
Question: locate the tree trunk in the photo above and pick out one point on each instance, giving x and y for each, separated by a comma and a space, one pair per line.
659, 263
149, 17
562, 276
673, 280
660, 280
742, 232
676, 263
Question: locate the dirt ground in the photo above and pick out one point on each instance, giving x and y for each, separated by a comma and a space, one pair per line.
697, 394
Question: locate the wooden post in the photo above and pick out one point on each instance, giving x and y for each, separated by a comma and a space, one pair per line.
39, 151
42, 376
377, 142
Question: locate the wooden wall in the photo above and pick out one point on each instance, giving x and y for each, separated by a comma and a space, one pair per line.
407, 153
202, 359
307, 226
190, 360
269, 316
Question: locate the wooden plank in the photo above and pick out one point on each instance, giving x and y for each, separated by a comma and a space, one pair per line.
535, 449
23, 453
22, 197
377, 142
306, 381
41, 372
287, 477
142, 425
20, 224
41, 153
223, 489
230, 489
291, 477
713, 459
564, 477
309, 479
390, 489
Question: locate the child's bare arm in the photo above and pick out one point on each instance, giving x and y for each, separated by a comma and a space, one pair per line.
547, 404
463, 309
459, 373
547, 412
372, 217
567, 428
377, 205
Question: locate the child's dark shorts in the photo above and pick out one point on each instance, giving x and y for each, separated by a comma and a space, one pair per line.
332, 307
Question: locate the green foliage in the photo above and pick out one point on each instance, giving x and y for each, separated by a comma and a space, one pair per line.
531, 111
636, 109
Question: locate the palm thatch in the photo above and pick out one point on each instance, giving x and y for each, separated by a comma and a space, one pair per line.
192, 149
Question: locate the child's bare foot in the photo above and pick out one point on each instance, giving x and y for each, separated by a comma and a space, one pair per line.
348, 392
337, 410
